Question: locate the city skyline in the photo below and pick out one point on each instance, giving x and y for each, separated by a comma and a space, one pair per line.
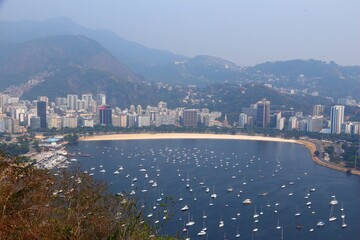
179, 119
73, 111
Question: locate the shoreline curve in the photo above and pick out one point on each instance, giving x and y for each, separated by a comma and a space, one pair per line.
163, 136
312, 148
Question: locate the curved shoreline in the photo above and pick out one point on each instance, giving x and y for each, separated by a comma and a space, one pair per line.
312, 148
163, 136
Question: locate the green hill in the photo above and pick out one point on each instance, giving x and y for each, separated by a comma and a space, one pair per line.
72, 64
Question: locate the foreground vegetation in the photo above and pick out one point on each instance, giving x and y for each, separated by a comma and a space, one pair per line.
38, 205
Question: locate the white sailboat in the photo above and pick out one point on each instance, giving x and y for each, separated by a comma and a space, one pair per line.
221, 223
255, 229
333, 201
320, 223
230, 188
204, 215
331, 215
184, 228
255, 213
237, 232
342, 210
190, 221
343, 225
278, 227
213, 195
298, 213
185, 208
203, 230
247, 201
211, 203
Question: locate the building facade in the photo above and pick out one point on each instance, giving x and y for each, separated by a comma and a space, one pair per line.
336, 118
190, 118
105, 115
41, 113
263, 114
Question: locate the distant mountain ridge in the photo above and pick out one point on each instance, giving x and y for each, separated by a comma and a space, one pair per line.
77, 64
310, 68
54, 53
329, 79
153, 64
126, 50
142, 63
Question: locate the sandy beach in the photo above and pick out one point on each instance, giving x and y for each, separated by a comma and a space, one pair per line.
154, 136
149, 136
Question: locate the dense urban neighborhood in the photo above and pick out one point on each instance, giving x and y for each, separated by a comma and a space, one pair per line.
67, 118
74, 111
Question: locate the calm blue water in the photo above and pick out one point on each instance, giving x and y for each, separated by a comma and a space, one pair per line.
249, 167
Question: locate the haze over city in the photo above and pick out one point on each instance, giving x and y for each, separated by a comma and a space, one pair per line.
190, 119
245, 32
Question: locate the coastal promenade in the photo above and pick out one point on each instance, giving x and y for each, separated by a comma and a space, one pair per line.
310, 145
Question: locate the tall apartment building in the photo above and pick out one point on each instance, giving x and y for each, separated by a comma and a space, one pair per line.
87, 98
72, 101
190, 118
69, 121
293, 123
263, 113
280, 121
336, 118
105, 115
41, 112
101, 99
315, 123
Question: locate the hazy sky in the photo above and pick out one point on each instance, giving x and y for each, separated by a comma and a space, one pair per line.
243, 31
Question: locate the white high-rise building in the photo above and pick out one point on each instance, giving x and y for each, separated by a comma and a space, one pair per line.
315, 123
87, 98
69, 121
242, 120
280, 122
138, 110
101, 99
336, 118
293, 123
81, 105
72, 101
